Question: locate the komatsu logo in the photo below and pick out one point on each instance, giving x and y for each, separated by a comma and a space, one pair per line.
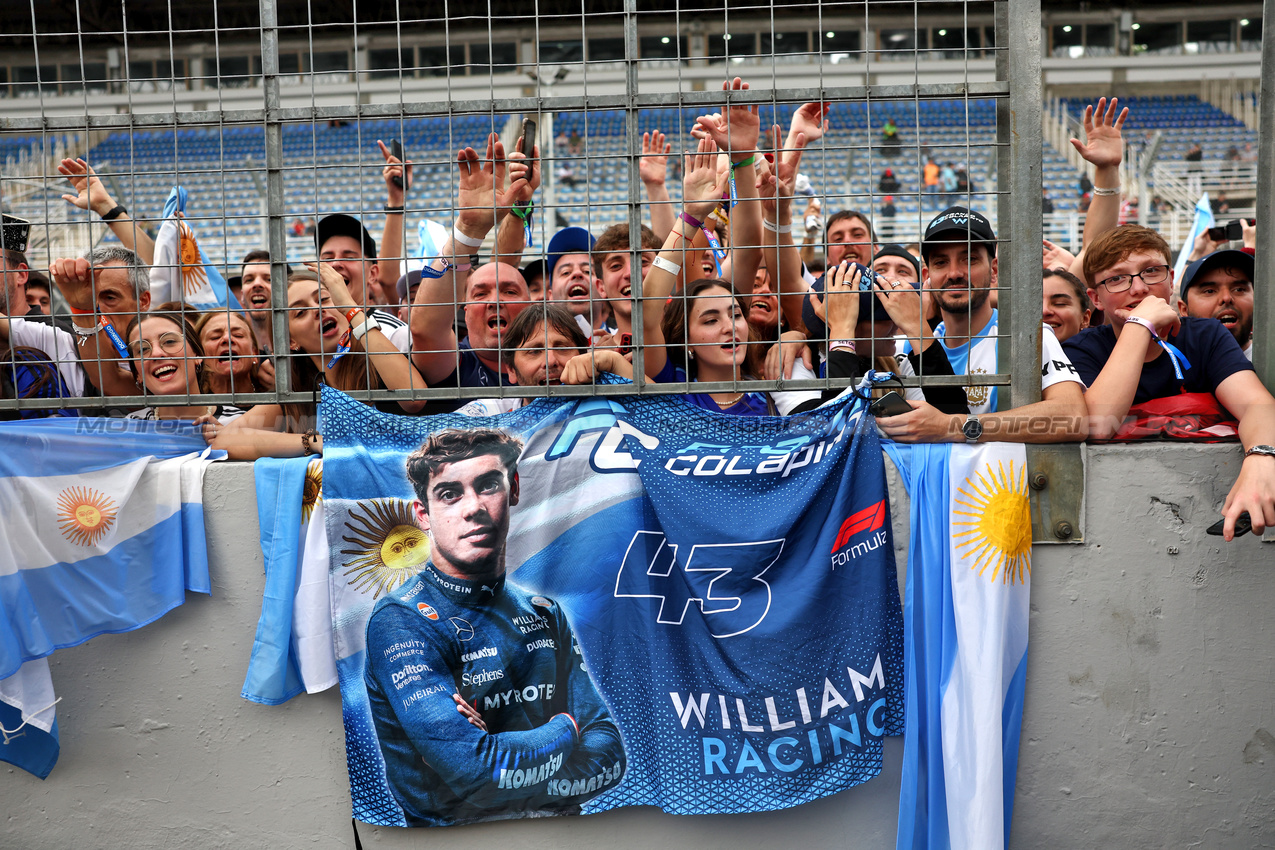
485, 652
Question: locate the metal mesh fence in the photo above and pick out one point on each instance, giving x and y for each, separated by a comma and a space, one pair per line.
272, 121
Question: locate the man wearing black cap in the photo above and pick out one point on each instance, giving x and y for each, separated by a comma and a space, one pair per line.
1220, 286
13, 266
959, 250
345, 244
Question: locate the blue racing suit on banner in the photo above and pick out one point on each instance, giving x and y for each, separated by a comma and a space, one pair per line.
550, 742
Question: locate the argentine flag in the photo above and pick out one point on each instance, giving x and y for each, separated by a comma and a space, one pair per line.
292, 651
104, 532
965, 642
181, 271
433, 236
1203, 221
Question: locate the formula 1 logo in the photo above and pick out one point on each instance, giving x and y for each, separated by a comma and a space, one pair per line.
724, 579
870, 519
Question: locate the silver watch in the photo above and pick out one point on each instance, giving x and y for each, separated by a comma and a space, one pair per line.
1261, 450
972, 429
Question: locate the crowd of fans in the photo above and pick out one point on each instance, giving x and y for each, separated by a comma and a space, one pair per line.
731, 292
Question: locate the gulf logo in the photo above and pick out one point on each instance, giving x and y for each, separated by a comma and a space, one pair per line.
427, 611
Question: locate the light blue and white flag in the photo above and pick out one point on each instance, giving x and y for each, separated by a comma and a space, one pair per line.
432, 236
965, 645
104, 532
292, 651
182, 271
1203, 221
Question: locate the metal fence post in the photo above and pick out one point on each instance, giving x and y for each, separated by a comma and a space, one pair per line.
1018, 130
1264, 274
274, 195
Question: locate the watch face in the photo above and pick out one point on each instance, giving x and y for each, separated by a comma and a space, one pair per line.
973, 429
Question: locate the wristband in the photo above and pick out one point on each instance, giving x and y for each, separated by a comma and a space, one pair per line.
523, 212
369, 323
841, 345
349, 316
692, 221
776, 228
305, 441
459, 267
390, 209
1102, 192
114, 213
428, 270
465, 240
743, 162
1138, 320
667, 265
75, 312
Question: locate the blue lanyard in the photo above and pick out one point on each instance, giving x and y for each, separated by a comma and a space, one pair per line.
1176, 357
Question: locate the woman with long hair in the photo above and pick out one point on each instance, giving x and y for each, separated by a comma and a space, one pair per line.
333, 342
231, 360
166, 359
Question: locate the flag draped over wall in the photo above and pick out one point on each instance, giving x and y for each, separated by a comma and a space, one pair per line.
104, 533
182, 271
292, 651
701, 611
965, 620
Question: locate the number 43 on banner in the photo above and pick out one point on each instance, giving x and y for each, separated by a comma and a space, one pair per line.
724, 578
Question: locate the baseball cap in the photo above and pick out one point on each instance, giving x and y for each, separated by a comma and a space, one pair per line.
15, 233
896, 250
406, 282
568, 240
534, 268
958, 224
344, 225
1242, 261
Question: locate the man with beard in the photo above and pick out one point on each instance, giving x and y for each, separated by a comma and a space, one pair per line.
1220, 286
959, 250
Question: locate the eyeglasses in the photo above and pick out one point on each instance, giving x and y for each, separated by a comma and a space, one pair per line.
1150, 275
169, 343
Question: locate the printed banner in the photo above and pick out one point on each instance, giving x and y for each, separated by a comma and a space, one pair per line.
588, 604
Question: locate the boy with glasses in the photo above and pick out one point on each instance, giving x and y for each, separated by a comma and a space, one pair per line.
1146, 351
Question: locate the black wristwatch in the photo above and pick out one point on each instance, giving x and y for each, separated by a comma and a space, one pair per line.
972, 429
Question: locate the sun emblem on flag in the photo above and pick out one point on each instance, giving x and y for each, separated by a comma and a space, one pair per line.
312, 490
85, 515
193, 275
392, 546
998, 533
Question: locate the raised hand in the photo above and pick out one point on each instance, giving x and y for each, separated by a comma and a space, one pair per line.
810, 120
735, 130
653, 166
90, 193
703, 183
1056, 256
524, 176
74, 279
1104, 145
476, 201
395, 167
332, 281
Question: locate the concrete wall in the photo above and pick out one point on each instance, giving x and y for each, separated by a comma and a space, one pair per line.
1150, 717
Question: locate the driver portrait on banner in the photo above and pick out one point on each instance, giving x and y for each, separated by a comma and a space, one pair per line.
478, 691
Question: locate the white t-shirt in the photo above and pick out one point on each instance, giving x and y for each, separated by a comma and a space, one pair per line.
978, 357
55, 342
395, 329
225, 414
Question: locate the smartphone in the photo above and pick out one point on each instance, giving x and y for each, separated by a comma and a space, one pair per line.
1231, 232
890, 404
1243, 525
396, 150
528, 137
